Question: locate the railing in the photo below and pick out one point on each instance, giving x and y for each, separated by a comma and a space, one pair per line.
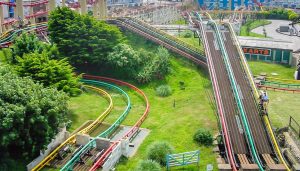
256, 94
71, 139
132, 131
279, 84
176, 43
249, 136
92, 143
225, 134
295, 126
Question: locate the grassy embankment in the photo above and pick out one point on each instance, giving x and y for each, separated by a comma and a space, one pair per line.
250, 25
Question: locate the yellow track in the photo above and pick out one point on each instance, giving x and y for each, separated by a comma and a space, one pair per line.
71, 139
284, 80
266, 119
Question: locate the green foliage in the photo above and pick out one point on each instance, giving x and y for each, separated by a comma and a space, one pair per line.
81, 38
30, 115
29, 43
148, 165
187, 34
252, 24
203, 136
139, 65
124, 59
49, 72
281, 13
163, 91
158, 150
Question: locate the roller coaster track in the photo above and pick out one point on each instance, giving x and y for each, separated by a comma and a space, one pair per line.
256, 94
217, 94
7, 37
158, 37
92, 143
135, 127
86, 130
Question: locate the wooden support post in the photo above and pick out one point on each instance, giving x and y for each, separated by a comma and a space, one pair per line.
52, 5
63, 3
83, 8
2, 28
19, 10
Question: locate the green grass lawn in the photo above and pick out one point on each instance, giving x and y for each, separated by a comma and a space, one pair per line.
252, 25
282, 104
283, 71
191, 40
179, 22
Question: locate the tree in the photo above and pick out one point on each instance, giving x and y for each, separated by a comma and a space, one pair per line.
30, 115
147, 165
49, 72
29, 43
124, 59
81, 38
161, 63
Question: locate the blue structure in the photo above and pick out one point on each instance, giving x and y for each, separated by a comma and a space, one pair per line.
11, 9
224, 4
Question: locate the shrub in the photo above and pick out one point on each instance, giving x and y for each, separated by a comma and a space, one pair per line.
148, 165
158, 150
163, 91
203, 136
187, 34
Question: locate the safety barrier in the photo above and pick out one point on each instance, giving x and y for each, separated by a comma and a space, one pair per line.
249, 136
217, 96
287, 81
71, 139
295, 126
92, 143
133, 130
279, 84
256, 94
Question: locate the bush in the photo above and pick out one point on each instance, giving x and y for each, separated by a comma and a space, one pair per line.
158, 150
163, 91
187, 34
203, 136
148, 165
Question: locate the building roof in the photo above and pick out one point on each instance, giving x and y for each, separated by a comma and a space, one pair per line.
265, 43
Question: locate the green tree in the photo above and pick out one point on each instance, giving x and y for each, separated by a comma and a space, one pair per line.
161, 63
29, 43
49, 72
81, 38
30, 115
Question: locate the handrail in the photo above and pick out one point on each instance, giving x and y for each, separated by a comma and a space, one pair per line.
107, 132
280, 84
169, 36
178, 45
254, 88
132, 131
53, 154
283, 80
236, 95
217, 96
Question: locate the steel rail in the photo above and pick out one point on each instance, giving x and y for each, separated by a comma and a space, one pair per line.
132, 131
92, 143
254, 88
236, 94
217, 97
101, 117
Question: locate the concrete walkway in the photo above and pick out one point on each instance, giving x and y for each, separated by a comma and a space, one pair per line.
271, 32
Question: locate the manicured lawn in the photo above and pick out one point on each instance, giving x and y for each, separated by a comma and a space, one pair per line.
252, 25
179, 22
283, 105
283, 71
190, 40
177, 124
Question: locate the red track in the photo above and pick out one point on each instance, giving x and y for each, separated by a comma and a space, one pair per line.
133, 130
8, 3
213, 76
36, 3
39, 13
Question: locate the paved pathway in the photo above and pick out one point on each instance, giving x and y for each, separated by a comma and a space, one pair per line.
271, 32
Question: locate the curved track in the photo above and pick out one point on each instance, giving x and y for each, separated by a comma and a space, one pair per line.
71, 139
92, 143
7, 37
135, 127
